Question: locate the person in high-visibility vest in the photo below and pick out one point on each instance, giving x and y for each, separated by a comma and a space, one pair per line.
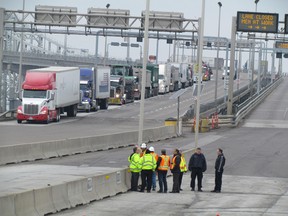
148, 165
152, 150
183, 169
175, 169
135, 168
163, 165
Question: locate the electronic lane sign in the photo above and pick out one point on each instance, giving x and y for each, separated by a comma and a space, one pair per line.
281, 45
286, 24
257, 22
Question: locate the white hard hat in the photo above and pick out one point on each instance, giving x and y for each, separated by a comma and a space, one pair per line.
143, 145
151, 149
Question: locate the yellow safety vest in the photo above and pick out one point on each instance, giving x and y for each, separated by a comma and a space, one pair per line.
148, 162
134, 163
183, 167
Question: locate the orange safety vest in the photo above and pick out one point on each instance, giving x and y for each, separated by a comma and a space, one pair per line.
173, 163
165, 163
155, 155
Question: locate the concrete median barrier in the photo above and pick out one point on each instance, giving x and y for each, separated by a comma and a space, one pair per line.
56, 148
60, 197
24, 204
7, 205
83, 188
43, 201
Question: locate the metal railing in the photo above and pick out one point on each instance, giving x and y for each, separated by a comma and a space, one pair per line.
249, 105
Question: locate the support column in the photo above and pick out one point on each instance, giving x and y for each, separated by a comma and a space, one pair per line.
2, 13
232, 68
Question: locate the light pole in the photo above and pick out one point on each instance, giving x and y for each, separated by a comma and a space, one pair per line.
217, 64
200, 47
105, 47
256, 4
143, 81
21, 53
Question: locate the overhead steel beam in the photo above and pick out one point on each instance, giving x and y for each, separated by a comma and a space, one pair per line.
14, 17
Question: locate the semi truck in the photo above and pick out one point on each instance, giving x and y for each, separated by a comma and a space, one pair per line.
95, 88
164, 78
175, 83
122, 84
137, 92
48, 92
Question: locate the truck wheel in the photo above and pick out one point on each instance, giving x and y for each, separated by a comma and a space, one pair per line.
74, 110
48, 119
104, 104
19, 121
58, 116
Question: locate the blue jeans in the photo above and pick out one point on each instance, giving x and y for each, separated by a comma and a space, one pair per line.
154, 180
162, 177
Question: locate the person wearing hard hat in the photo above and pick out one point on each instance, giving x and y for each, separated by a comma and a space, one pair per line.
143, 149
152, 150
148, 165
135, 168
163, 165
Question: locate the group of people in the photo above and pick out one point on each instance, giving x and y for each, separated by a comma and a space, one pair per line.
146, 163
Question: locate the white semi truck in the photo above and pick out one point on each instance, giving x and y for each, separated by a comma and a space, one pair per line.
48, 92
164, 78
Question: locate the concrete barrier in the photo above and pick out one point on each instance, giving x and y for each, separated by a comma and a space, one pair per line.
24, 204
60, 197
7, 205
43, 201
43, 150
65, 195
75, 193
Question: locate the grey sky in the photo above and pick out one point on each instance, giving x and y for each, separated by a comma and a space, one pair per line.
190, 8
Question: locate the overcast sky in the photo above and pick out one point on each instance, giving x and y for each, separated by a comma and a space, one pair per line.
190, 8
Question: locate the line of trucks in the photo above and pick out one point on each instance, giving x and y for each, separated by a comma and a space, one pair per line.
49, 92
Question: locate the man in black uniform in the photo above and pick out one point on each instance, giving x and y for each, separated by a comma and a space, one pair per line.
219, 168
197, 165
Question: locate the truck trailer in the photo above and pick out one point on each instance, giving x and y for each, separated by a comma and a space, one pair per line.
49, 92
95, 88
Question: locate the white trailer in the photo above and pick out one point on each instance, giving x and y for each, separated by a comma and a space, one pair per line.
48, 92
164, 78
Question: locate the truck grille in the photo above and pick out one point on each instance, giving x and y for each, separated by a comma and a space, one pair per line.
112, 90
31, 109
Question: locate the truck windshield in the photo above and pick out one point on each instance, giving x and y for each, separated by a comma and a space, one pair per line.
34, 94
83, 87
114, 83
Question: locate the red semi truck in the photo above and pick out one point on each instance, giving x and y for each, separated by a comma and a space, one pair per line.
49, 92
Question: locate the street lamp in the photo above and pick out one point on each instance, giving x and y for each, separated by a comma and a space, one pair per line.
218, 47
256, 3
21, 53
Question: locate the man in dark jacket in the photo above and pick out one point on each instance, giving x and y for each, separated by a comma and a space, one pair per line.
175, 169
197, 165
219, 168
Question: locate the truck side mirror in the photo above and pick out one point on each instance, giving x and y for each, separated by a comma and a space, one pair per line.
52, 96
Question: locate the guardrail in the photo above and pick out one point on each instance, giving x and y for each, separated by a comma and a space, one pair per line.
249, 105
241, 111
10, 114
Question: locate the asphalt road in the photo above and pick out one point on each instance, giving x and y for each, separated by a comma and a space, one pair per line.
116, 119
250, 151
